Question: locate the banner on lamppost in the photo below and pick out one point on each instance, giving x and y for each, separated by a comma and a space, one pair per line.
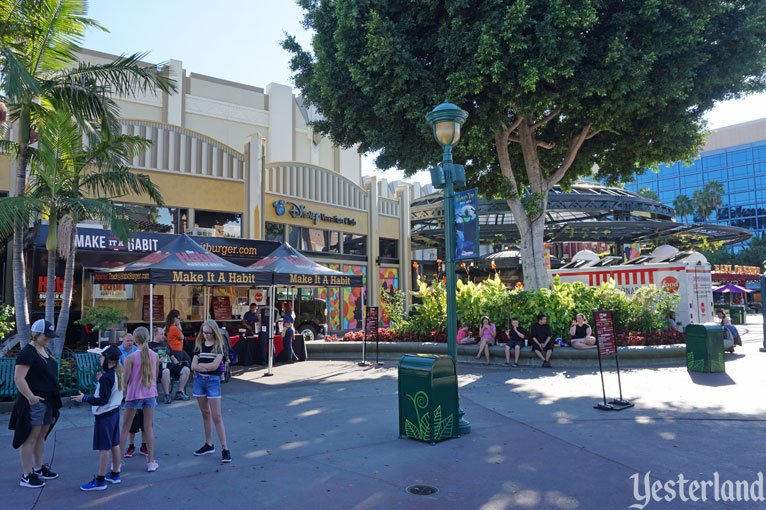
467, 224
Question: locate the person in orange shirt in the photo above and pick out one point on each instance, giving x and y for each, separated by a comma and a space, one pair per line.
175, 336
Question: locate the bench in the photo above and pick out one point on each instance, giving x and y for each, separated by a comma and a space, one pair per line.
87, 371
7, 384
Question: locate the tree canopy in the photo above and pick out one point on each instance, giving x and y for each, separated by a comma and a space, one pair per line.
554, 90
640, 73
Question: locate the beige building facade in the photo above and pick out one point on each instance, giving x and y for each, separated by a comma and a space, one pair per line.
229, 158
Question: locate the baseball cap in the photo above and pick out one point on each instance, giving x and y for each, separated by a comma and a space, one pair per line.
111, 352
45, 327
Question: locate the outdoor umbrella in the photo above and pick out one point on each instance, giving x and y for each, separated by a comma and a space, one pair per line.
734, 289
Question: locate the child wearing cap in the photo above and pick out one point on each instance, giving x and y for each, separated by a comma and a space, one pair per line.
106, 402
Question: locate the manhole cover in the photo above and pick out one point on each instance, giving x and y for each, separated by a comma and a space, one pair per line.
422, 490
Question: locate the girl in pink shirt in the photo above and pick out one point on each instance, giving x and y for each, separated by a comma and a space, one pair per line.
141, 392
487, 333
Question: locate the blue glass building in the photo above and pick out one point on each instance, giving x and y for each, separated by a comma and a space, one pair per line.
736, 157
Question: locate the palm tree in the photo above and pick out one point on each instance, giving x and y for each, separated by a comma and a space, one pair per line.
39, 73
72, 181
708, 198
683, 206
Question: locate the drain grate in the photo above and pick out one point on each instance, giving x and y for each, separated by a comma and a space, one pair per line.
422, 490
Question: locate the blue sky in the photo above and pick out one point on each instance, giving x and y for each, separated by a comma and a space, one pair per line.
239, 41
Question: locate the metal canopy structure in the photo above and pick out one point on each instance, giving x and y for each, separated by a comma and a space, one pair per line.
588, 212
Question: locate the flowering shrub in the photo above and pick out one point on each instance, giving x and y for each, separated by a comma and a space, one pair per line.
622, 338
634, 338
389, 335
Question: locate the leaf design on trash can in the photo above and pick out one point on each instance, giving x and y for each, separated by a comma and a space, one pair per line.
421, 399
446, 430
411, 430
425, 428
437, 422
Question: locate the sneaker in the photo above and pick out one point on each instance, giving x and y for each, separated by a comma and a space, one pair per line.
506, 363
182, 396
152, 466
547, 364
130, 451
31, 480
515, 365
225, 456
143, 451
93, 485
44, 473
167, 399
206, 448
560, 343
112, 477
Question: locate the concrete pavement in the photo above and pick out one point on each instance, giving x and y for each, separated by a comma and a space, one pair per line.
324, 434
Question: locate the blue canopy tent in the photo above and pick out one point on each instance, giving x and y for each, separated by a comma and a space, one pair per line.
181, 262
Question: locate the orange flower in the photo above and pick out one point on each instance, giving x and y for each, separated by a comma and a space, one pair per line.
519, 285
462, 264
493, 265
415, 265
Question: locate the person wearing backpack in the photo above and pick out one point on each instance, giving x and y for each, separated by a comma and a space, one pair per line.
207, 362
106, 400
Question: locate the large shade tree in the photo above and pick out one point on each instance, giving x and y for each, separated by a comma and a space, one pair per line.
553, 89
39, 73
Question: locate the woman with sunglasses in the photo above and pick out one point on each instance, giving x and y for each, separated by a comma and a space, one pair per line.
206, 365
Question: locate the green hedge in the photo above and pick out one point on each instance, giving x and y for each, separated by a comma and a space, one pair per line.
646, 311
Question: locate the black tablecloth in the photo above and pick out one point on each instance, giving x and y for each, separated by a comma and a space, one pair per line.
248, 351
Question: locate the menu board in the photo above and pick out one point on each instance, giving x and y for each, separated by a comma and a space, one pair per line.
371, 321
221, 308
604, 324
158, 304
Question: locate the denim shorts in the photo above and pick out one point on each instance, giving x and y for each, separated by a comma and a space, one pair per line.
207, 386
40, 414
141, 403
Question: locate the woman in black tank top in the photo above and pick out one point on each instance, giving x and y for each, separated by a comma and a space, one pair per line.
580, 333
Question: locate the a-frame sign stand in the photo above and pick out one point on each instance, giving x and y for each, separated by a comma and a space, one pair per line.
604, 332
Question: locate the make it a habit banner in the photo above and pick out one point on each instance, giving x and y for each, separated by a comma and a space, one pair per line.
467, 224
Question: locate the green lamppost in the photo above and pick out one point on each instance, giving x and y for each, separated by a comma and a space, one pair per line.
445, 120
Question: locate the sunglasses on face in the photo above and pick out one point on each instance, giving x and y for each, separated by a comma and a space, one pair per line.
207, 332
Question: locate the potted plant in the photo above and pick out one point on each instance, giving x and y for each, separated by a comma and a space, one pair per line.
103, 318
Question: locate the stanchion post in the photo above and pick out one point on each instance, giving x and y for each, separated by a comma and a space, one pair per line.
763, 308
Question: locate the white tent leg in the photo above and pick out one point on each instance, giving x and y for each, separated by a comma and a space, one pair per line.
151, 312
271, 331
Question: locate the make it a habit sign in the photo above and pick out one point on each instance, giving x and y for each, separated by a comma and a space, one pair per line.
604, 323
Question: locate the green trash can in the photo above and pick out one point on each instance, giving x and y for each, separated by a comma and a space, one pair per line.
428, 401
737, 314
704, 348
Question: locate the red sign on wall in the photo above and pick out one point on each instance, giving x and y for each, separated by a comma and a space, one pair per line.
158, 304
221, 308
604, 324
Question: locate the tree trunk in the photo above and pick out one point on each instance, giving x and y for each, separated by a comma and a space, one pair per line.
19, 270
532, 251
66, 297
50, 286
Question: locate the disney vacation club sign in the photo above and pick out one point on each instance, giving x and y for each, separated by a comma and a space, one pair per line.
298, 211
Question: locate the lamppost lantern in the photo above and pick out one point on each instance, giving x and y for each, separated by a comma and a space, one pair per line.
445, 121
